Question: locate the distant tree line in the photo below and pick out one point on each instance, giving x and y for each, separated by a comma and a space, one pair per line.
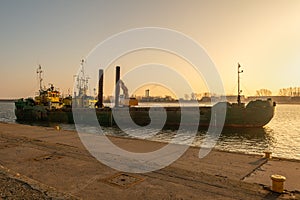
263, 92
291, 91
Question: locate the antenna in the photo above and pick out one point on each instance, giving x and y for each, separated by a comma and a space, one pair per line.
82, 80
239, 90
39, 71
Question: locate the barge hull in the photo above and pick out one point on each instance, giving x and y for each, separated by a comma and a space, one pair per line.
235, 116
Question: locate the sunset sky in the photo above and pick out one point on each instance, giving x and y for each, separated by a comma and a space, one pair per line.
262, 35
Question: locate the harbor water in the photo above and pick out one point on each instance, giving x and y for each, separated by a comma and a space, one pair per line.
281, 135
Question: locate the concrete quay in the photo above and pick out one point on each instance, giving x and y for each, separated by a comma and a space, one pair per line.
45, 163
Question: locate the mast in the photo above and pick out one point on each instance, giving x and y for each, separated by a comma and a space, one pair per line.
239, 90
39, 71
82, 81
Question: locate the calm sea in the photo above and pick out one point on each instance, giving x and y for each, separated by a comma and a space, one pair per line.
281, 135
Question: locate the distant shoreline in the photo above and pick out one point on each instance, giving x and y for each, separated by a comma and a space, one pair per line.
281, 103
7, 100
176, 101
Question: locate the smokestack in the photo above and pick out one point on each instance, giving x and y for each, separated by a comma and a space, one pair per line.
117, 86
147, 93
99, 103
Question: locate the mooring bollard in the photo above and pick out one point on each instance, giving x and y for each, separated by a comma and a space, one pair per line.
278, 183
268, 154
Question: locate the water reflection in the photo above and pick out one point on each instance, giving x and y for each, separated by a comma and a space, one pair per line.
244, 132
7, 112
247, 140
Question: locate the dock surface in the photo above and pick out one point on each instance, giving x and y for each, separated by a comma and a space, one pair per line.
45, 163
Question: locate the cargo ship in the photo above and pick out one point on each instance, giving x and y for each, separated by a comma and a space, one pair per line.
49, 106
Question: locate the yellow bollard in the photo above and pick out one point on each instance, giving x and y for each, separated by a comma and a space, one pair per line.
268, 154
278, 183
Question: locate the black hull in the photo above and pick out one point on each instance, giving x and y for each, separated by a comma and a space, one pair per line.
257, 115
